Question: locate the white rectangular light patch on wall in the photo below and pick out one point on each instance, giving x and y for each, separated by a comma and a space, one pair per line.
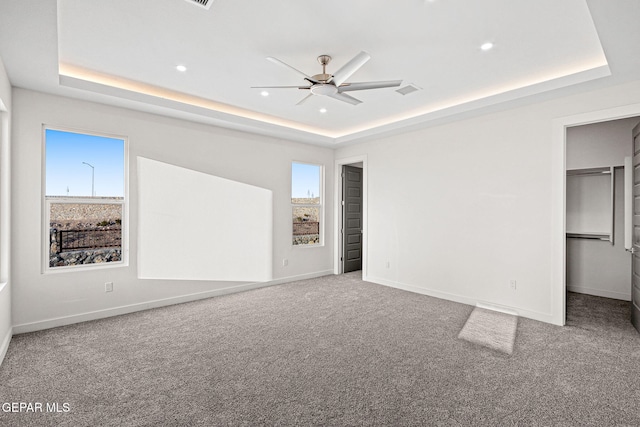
196, 226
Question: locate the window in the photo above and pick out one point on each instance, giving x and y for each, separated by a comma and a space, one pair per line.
84, 199
306, 203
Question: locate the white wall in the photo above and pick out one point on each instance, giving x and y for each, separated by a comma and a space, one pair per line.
44, 300
596, 267
459, 210
5, 182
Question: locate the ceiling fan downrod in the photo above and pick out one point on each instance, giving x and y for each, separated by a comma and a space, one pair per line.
324, 77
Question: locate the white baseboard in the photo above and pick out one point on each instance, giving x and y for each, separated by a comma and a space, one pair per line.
116, 311
530, 314
498, 308
5, 344
600, 293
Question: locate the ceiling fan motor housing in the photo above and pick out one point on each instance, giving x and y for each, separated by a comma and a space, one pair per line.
323, 78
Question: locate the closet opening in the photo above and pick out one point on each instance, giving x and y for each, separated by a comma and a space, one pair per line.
598, 262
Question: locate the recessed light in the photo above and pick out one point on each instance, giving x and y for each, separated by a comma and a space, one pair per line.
487, 46
323, 110
181, 68
264, 93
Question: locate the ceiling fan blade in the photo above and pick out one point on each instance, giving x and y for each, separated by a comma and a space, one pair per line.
368, 85
304, 99
284, 64
279, 87
350, 67
346, 98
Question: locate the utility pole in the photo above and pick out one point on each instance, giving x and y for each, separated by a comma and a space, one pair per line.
93, 170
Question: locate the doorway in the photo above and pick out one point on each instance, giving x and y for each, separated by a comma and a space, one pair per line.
351, 216
557, 314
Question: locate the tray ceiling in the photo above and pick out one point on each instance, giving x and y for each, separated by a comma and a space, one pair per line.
129, 50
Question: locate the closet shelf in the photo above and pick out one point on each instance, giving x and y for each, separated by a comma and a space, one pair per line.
594, 236
590, 171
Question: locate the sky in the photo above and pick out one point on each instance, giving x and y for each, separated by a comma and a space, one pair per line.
65, 152
305, 180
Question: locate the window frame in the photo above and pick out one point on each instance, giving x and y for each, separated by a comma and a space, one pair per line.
46, 206
320, 205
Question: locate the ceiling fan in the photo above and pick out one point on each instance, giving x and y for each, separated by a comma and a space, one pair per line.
333, 85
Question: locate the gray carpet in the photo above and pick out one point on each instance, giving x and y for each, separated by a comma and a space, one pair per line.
491, 329
330, 351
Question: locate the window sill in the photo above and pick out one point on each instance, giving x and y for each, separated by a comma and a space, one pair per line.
86, 267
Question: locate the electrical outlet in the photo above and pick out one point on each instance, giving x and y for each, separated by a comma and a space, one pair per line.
108, 287
512, 284
285, 262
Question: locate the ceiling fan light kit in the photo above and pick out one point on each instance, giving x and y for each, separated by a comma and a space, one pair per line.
323, 89
333, 85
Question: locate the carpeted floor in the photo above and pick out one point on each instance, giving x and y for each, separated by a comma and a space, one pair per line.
329, 351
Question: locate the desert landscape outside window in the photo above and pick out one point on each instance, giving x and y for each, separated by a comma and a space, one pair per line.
84, 199
306, 203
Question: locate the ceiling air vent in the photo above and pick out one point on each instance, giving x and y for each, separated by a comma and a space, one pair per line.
407, 89
205, 4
